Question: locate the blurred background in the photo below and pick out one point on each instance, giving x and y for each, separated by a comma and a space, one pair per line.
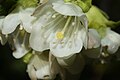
14, 69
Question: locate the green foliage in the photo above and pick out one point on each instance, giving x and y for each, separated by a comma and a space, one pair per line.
84, 4
28, 3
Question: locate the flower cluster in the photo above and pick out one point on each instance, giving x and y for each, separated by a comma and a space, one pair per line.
53, 35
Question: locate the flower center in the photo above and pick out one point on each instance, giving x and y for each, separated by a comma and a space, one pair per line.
60, 35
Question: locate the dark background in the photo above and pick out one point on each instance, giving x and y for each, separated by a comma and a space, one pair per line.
13, 69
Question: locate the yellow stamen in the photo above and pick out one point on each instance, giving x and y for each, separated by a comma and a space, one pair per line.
60, 35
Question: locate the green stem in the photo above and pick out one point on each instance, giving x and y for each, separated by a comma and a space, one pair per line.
85, 4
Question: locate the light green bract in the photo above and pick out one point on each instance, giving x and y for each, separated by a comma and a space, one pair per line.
60, 27
99, 20
27, 3
84, 4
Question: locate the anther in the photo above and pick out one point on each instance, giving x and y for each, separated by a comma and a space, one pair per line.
59, 35
54, 16
73, 23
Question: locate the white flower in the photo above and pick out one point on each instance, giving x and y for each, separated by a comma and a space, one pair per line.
3, 38
1, 21
111, 40
41, 66
17, 17
68, 9
94, 40
61, 28
19, 41
17, 25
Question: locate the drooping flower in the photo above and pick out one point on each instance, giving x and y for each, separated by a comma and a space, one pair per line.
42, 66
21, 15
111, 41
94, 40
3, 38
18, 17
16, 36
61, 27
101, 24
94, 44
102, 40
17, 25
19, 41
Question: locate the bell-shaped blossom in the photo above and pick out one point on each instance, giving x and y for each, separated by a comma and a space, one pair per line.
94, 39
41, 66
18, 16
17, 25
19, 41
60, 27
94, 44
111, 41
3, 38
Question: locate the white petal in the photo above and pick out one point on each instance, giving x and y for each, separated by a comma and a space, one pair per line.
94, 39
3, 39
115, 37
10, 23
67, 9
37, 41
82, 34
1, 22
84, 30
19, 42
66, 49
84, 21
42, 66
45, 72
31, 72
112, 40
27, 19
20, 50
112, 48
